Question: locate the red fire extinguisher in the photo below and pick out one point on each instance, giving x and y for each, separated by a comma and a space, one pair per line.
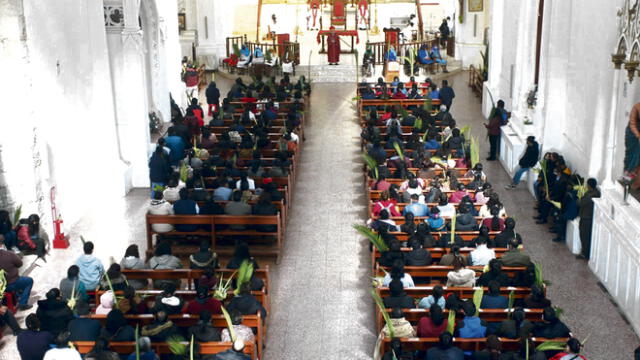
59, 240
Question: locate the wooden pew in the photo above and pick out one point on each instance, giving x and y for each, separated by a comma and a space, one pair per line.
214, 220
419, 292
412, 344
255, 322
437, 253
362, 103
441, 271
488, 315
190, 275
129, 347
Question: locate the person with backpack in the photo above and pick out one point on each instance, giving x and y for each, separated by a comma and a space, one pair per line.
498, 119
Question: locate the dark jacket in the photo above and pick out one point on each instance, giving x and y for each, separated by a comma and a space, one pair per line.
531, 155
231, 355
54, 315
33, 344
185, 207
247, 305
402, 302
125, 333
204, 333
446, 95
213, 95
84, 329
494, 302
418, 257
501, 278
452, 353
159, 168
514, 257
511, 330
10, 263
585, 204
551, 330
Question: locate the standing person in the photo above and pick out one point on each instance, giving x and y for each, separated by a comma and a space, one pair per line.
447, 94
496, 121
159, 170
176, 144
91, 269
333, 46
586, 217
527, 161
213, 97
444, 33
11, 263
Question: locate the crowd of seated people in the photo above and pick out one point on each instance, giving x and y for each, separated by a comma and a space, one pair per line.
431, 207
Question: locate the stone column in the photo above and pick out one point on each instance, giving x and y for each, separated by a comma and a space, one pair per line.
211, 38
125, 38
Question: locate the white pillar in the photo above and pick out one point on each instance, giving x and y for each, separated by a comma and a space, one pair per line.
129, 91
211, 45
167, 10
609, 181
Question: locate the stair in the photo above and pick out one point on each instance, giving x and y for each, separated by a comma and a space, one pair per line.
329, 73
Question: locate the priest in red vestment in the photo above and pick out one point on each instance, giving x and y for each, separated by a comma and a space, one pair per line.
333, 46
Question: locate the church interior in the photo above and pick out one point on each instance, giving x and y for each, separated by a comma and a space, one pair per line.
313, 179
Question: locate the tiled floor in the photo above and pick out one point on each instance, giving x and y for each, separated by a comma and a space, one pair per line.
321, 308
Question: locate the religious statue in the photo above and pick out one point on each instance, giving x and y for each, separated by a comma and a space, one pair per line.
363, 13
632, 148
314, 6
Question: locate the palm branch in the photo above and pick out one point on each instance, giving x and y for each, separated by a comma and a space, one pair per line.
539, 278
403, 111
581, 188
427, 105
556, 204
466, 132
176, 345
453, 227
551, 345
221, 291
232, 330
137, 337
16, 215
191, 348
477, 298
83, 240
451, 324
244, 275
543, 168
474, 152
438, 160
375, 238
559, 311
512, 298
115, 298
418, 123
372, 164
385, 314
396, 146
71, 303
184, 172
526, 345
3, 283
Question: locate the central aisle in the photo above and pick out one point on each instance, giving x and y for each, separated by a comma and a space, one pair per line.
320, 302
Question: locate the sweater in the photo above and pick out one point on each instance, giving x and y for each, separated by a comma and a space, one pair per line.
10, 263
32, 345
161, 207
91, 271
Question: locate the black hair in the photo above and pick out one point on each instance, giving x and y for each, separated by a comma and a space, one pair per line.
445, 340
435, 313
132, 250
163, 248
88, 248
494, 288
32, 322
73, 271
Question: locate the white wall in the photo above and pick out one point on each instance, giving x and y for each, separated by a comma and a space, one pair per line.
470, 34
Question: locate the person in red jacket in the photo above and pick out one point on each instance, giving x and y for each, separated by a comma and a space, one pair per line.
203, 302
572, 352
493, 129
433, 325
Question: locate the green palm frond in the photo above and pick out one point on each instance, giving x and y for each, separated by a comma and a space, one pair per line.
526, 344
477, 298
177, 345
585, 340
551, 345
184, 172
559, 311
372, 164
539, 278
396, 146
474, 152
3, 283
512, 298
244, 275
426, 133
427, 106
115, 298
438, 160
221, 291
466, 132
451, 324
191, 355
403, 111
543, 168
383, 310
136, 338
453, 227
83, 240
418, 123
232, 330
581, 188
375, 238
17, 214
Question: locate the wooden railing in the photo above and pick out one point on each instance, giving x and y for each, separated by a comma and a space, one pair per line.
290, 49
380, 49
